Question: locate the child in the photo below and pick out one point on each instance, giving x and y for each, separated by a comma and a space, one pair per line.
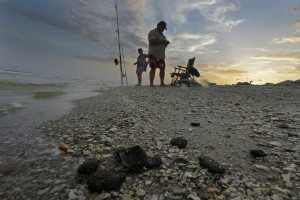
141, 65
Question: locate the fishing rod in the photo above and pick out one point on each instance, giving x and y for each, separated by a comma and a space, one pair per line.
120, 50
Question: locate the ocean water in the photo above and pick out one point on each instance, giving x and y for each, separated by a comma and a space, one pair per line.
18, 90
27, 101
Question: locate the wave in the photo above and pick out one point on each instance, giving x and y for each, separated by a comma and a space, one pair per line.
7, 108
16, 85
17, 73
20, 73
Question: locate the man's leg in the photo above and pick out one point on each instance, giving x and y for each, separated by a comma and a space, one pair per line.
152, 75
162, 76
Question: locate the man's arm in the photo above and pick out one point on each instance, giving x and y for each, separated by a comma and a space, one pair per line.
158, 42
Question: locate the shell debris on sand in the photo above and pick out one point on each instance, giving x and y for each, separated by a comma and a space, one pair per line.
150, 118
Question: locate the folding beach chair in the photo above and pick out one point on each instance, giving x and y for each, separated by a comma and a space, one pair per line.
185, 75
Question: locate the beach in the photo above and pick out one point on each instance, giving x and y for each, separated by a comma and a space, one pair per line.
231, 120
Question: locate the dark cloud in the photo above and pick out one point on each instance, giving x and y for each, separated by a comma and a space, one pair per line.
295, 10
82, 25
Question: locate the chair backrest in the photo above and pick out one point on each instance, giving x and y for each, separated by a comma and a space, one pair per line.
190, 69
191, 62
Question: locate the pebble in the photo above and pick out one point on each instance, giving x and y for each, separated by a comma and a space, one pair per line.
261, 167
141, 193
275, 143
102, 196
177, 190
72, 194
42, 192
257, 191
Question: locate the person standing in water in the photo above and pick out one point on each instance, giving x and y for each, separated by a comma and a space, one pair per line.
141, 65
157, 46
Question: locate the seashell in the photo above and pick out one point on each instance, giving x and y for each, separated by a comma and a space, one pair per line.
134, 158
62, 146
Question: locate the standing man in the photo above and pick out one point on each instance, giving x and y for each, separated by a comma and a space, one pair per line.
157, 46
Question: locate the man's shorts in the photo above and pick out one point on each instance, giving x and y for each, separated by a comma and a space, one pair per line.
156, 63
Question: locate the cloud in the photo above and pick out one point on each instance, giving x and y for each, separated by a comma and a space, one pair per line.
262, 49
217, 67
216, 11
296, 23
233, 72
194, 43
90, 58
283, 40
84, 24
295, 10
297, 69
293, 57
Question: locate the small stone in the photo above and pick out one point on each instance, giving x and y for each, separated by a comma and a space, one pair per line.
286, 177
257, 191
195, 124
81, 197
148, 182
177, 190
105, 181
154, 162
212, 190
202, 193
113, 129
289, 184
275, 143
140, 193
180, 142
264, 168
284, 126
249, 184
41, 192
7, 168
249, 192
236, 198
188, 175
72, 195
191, 196
279, 190
276, 197
236, 182
227, 135
103, 196
88, 166
258, 153
211, 165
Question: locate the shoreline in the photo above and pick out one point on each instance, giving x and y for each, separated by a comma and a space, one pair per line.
232, 120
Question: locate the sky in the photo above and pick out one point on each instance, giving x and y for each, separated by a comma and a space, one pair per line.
232, 40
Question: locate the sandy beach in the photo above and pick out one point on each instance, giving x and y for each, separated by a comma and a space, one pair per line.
232, 120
